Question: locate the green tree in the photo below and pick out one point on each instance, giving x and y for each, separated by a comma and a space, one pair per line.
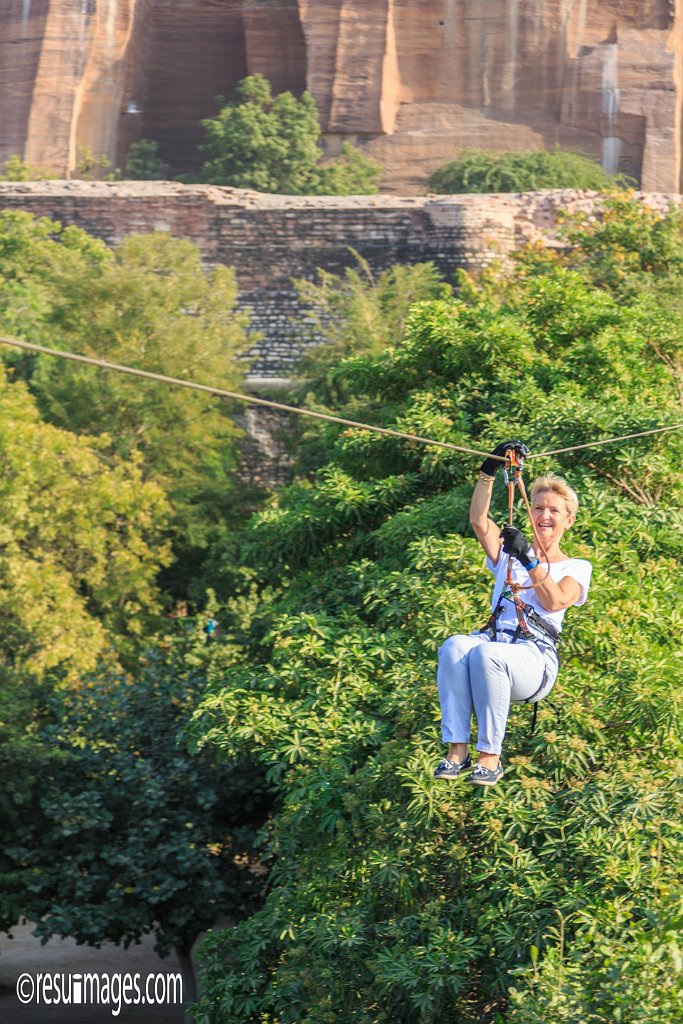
143, 162
81, 543
130, 832
395, 899
94, 168
353, 313
148, 303
272, 144
359, 311
485, 170
351, 173
37, 257
24, 763
631, 249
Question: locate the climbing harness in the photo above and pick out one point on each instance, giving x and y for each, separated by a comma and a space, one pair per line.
530, 625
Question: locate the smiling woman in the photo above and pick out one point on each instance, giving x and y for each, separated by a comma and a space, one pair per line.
512, 658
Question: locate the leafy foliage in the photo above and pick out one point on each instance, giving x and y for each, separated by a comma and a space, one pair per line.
360, 311
348, 314
130, 833
16, 169
271, 144
485, 170
350, 173
630, 249
24, 762
143, 162
80, 545
396, 899
150, 304
94, 168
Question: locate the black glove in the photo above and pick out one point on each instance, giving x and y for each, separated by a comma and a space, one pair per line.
491, 466
516, 544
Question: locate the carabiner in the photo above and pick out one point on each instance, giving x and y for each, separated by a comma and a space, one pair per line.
514, 465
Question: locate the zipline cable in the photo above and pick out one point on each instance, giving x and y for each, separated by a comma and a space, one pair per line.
252, 400
609, 440
249, 399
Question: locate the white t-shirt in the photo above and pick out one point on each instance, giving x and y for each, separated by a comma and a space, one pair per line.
578, 568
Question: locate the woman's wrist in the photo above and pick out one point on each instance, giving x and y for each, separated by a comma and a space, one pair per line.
531, 560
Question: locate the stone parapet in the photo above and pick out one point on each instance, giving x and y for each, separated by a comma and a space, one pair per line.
271, 239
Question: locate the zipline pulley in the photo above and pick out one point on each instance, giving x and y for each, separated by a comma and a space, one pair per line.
513, 467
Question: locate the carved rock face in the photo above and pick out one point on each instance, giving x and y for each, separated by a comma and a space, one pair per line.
412, 81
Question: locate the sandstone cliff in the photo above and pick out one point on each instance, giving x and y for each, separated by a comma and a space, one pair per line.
413, 81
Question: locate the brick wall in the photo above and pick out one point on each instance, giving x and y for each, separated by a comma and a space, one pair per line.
270, 239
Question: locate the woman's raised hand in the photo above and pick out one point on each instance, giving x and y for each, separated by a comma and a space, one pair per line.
491, 466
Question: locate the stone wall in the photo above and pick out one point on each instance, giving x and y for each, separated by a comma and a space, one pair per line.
271, 239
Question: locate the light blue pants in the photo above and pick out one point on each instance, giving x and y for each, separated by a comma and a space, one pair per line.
476, 673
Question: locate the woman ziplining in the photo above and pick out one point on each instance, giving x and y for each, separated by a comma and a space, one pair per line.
514, 657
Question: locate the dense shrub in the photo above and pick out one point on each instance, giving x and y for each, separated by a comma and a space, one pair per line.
16, 169
484, 170
124, 832
271, 143
143, 162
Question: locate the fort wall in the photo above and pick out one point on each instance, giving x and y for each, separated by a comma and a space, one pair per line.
272, 239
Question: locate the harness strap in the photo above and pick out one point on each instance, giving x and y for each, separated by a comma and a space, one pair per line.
550, 637
549, 634
535, 714
533, 719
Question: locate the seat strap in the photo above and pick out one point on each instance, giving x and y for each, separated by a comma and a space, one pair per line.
535, 714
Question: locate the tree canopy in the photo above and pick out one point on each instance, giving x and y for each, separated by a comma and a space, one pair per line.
16, 169
143, 162
271, 143
348, 314
82, 543
148, 303
395, 900
126, 832
485, 170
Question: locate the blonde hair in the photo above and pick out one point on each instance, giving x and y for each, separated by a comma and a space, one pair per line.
559, 486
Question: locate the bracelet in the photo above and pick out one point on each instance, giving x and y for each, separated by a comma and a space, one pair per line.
532, 564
